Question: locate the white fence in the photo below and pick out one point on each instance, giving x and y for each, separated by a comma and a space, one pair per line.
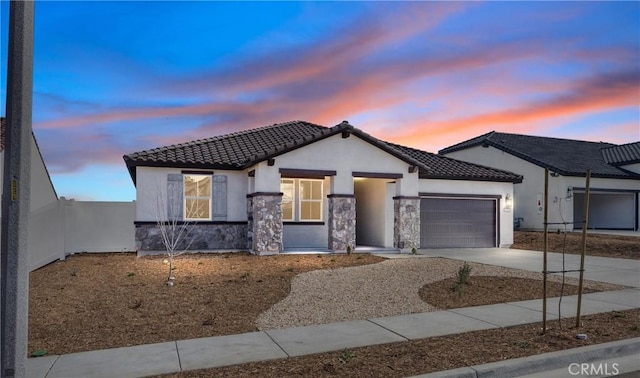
67, 226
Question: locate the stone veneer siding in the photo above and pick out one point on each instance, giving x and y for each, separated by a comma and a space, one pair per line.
266, 219
406, 222
202, 236
342, 222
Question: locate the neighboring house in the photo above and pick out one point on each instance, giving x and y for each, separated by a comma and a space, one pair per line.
298, 185
615, 178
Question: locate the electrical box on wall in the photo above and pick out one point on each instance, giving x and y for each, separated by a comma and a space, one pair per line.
539, 207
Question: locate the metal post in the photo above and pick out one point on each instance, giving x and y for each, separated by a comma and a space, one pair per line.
544, 253
585, 221
15, 192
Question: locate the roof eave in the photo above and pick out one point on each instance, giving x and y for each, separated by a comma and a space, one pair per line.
514, 180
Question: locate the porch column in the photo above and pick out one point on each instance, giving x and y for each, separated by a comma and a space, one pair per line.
406, 222
342, 222
265, 223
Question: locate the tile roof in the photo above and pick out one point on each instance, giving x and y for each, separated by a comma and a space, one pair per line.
566, 156
241, 150
623, 154
435, 166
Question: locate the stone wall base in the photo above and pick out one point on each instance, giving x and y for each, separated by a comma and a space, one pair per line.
200, 236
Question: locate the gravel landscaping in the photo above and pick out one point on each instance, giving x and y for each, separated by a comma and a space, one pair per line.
385, 289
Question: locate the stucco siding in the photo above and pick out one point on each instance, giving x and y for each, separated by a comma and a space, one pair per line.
151, 187
632, 167
343, 155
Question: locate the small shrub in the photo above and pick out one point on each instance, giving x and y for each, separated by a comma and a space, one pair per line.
414, 251
346, 355
462, 278
463, 273
349, 250
131, 274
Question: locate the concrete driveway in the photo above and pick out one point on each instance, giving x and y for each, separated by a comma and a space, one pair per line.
604, 269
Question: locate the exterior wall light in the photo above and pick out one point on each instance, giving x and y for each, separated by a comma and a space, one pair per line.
508, 202
569, 192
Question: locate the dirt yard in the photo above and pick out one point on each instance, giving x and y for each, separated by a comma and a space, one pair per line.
96, 301
627, 247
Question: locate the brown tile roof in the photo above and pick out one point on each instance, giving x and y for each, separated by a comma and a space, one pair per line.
241, 150
566, 156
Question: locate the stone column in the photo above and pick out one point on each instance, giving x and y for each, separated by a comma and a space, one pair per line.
249, 221
342, 222
267, 223
406, 222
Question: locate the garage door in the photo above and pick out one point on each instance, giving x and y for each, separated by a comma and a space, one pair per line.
613, 211
457, 222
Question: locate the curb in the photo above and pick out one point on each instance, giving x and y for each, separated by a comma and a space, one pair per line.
543, 362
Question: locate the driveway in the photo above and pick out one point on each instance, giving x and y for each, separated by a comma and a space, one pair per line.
604, 269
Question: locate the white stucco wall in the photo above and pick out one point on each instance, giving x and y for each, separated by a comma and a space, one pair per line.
632, 167
343, 155
42, 192
66, 226
151, 182
479, 188
526, 194
92, 226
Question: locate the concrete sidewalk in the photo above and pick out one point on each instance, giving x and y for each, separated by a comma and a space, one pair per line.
604, 269
176, 356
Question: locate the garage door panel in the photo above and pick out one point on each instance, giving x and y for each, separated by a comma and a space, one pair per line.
450, 223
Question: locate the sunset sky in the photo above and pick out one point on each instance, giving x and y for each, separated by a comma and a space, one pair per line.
112, 78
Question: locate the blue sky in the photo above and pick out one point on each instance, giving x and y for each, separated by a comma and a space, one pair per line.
112, 78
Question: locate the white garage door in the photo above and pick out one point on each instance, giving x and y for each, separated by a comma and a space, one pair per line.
457, 222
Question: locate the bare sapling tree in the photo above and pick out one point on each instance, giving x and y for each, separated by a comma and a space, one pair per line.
174, 224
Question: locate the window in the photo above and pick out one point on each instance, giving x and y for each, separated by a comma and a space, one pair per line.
301, 200
287, 187
197, 197
310, 200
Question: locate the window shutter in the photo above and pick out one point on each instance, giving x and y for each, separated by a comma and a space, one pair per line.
174, 196
219, 198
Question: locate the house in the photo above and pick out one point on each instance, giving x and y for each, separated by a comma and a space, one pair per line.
298, 185
614, 186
